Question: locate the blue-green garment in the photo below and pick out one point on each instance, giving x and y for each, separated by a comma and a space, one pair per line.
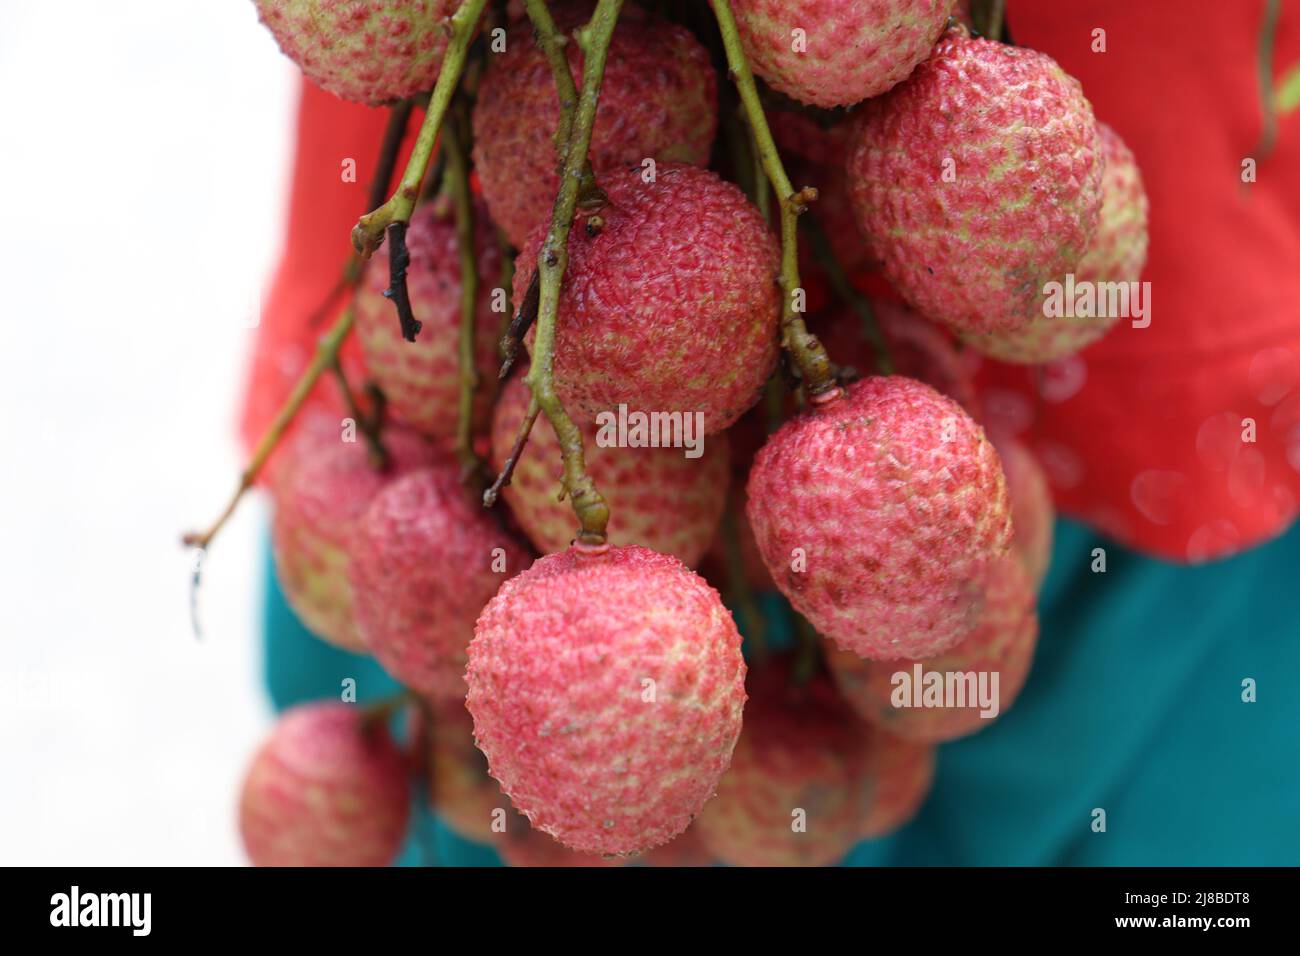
1134, 706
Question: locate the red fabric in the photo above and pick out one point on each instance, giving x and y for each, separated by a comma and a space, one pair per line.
1140, 433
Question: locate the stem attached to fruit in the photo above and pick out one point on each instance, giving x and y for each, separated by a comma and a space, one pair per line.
847, 293
326, 354
991, 23
368, 234
508, 469
457, 179
552, 259
809, 355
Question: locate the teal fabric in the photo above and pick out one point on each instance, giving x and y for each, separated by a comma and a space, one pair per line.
1134, 706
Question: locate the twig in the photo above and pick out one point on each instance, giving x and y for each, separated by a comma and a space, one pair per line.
368, 234
369, 424
847, 293
809, 355
325, 355
519, 325
508, 469
991, 23
552, 259
399, 260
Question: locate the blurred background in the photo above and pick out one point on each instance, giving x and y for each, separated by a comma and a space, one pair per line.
142, 189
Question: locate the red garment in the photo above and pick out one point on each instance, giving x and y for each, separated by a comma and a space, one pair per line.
1141, 434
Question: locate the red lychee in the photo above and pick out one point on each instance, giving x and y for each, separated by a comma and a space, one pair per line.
837, 52
372, 53
899, 772
795, 793
658, 497
879, 513
978, 181
322, 487
1002, 644
421, 379
522, 846
1032, 511
658, 100
672, 306
606, 689
327, 788
425, 559
461, 792
1117, 253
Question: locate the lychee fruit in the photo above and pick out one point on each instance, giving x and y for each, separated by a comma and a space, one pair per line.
795, 793
421, 379
461, 792
879, 514
688, 850
672, 306
1002, 644
371, 53
322, 487
658, 100
832, 53
899, 773
658, 497
606, 688
327, 788
425, 559
1117, 253
522, 846
978, 181
1032, 511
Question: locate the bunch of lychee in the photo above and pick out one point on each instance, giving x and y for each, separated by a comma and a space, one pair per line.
589, 699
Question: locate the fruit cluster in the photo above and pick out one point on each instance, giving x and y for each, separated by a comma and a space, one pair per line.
578, 690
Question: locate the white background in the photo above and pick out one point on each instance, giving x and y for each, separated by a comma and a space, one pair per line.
143, 155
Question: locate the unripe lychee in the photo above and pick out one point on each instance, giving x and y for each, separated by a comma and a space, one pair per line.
421, 379
657, 497
461, 792
1117, 253
322, 488
978, 181
606, 689
425, 559
899, 772
1002, 644
879, 513
837, 52
327, 788
372, 53
1032, 511
658, 100
672, 306
795, 793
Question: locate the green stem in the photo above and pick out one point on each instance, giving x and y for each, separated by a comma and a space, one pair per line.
808, 354
552, 259
991, 25
368, 234
457, 181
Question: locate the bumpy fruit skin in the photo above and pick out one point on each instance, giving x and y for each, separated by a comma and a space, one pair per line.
1117, 253
460, 790
522, 846
421, 379
802, 749
1020, 140
1003, 642
557, 673
325, 789
425, 559
672, 306
898, 503
371, 52
321, 490
658, 497
900, 773
854, 48
1032, 511
658, 100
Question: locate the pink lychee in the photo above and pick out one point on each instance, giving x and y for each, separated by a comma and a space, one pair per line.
899, 772
327, 788
460, 790
978, 181
323, 485
658, 497
425, 559
372, 53
832, 53
421, 379
606, 690
658, 100
1117, 253
1002, 644
672, 306
879, 514
1032, 511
